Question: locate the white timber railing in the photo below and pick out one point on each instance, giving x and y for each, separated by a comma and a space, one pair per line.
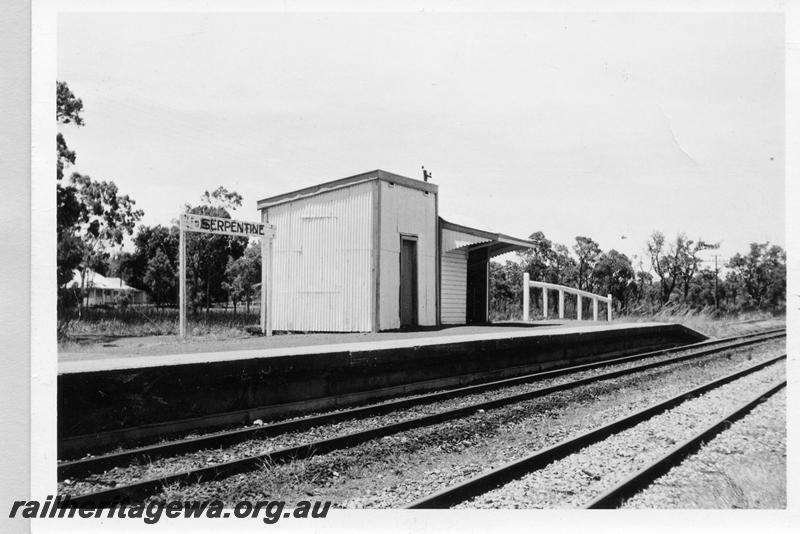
544, 286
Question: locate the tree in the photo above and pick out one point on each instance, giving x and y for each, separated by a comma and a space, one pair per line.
536, 261
244, 275
68, 110
675, 263
703, 290
92, 216
662, 265
762, 275
689, 262
613, 274
587, 251
221, 199
505, 290
149, 240
68, 106
207, 254
159, 278
69, 248
563, 268
105, 217
547, 261
734, 289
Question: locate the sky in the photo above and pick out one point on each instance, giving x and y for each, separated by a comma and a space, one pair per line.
596, 124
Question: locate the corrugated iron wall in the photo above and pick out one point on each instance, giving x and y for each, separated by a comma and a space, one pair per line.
454, 287
322, 262
407, 211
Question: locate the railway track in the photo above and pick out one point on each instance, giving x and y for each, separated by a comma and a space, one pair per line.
94, 464
629, 486
143, 488
75, 447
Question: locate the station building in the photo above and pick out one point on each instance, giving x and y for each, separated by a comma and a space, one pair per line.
370, 252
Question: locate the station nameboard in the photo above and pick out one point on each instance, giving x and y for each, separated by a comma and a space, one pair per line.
217, 225
190, 222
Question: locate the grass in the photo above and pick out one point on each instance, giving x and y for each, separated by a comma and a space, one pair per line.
753, 483
705, 320
744, 467
151, 321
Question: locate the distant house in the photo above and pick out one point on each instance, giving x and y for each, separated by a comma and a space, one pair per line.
106, 290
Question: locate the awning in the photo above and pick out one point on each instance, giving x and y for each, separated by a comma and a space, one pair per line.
456, 236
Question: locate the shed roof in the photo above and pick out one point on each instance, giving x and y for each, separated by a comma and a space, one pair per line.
98, 281
457, 236
345, 182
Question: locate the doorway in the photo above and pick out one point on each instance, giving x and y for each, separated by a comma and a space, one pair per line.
478, 286
408, 281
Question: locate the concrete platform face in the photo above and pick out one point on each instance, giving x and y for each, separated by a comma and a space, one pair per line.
110, 392
301, 344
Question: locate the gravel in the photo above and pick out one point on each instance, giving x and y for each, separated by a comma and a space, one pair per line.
743, 467
400, 468
580, 477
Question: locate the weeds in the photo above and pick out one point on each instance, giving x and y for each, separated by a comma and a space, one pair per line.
151, 321
705, 320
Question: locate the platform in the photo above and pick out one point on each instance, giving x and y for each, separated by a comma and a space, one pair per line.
106, 392
320, 344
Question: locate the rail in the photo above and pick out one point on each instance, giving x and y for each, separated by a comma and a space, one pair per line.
143, 487
562, 290
502, 475
80, 446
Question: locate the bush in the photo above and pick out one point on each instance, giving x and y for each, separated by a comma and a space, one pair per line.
133, 320
122, 300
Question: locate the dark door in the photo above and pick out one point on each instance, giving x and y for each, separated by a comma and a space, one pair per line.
408, 282
477, 286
